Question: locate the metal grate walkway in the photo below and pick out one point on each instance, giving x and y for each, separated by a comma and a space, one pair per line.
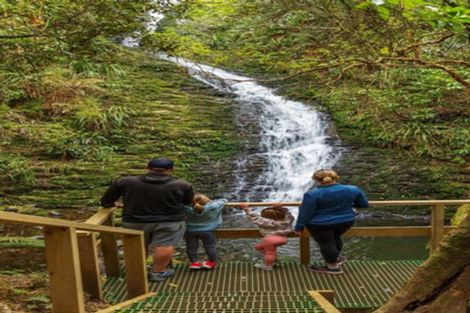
228, 302
364, 284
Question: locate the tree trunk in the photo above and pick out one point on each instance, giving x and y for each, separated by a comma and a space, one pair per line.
442, 283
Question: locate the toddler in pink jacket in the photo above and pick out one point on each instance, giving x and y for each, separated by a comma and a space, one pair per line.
275, 223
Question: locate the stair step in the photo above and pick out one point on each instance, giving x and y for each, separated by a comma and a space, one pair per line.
228, 302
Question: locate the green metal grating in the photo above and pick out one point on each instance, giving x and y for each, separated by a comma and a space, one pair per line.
364, 284
228, 302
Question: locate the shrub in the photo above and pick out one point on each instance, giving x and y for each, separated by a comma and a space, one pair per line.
16, 169
83, 146
93, 69
91, 117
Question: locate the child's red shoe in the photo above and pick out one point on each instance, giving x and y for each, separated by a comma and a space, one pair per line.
209, 265
195, 266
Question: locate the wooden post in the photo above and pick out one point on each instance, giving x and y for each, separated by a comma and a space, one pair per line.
304, 242
63, 264
110, 250
134, 257
89, 265
437, 226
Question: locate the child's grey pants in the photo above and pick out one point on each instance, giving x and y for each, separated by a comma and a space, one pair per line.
192, 244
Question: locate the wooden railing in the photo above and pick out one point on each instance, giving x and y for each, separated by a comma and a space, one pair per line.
88, 245
435, 231
72, 249
72, 258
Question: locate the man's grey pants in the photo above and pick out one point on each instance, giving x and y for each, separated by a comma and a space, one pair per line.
192, 244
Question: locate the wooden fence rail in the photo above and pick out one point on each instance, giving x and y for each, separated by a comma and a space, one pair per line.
65, 255
88, 248
436, 230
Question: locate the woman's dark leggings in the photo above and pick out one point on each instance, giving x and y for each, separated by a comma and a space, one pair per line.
328, 238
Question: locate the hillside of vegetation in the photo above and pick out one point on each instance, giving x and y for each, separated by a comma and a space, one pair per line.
78, 131
78, 109
77, 112
393, 75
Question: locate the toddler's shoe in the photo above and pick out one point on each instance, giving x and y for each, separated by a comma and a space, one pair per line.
264, 267
209, 265
195, 266
160, 276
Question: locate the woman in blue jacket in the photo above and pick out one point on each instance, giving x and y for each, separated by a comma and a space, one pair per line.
328, 212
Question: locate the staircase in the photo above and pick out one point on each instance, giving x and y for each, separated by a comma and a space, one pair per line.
228, 302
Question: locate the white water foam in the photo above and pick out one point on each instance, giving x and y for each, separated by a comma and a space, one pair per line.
293, 140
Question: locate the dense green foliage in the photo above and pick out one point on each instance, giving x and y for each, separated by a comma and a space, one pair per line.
391, 73
35, 34
78, 110
64, 148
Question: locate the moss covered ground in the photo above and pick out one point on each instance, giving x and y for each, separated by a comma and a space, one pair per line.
65, 137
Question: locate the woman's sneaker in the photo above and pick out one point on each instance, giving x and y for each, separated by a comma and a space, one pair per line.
264, 267
325, 269
209, 265
195, 266
341, 260
160, 276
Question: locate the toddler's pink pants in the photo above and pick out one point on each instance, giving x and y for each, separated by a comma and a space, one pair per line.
268, 247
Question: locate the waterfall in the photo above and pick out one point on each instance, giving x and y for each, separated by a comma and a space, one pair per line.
291, 136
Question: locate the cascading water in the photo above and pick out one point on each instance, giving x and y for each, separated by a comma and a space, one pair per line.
292, 137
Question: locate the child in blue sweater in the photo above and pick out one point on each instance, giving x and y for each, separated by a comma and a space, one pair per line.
203, 218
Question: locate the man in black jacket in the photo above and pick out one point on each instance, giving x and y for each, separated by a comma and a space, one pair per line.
154, 203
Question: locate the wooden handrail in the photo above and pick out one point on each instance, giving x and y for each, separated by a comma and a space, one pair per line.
17, 218
71, 257
372, 203
101, 216
89, 246
365, 231
436, 231
104, 216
